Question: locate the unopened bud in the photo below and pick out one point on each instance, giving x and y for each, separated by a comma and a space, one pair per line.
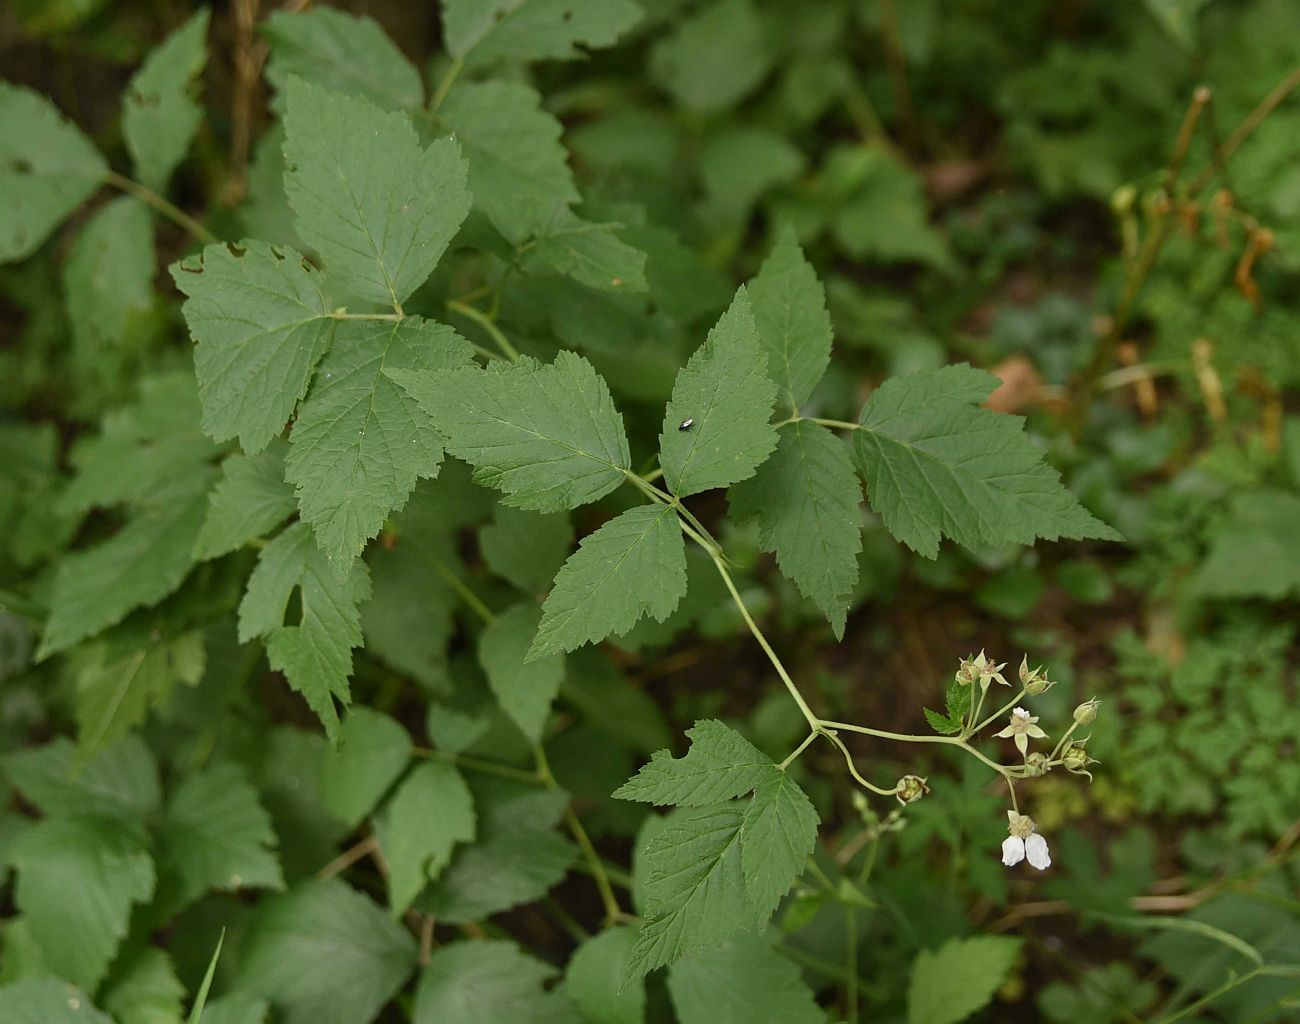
1035, 765
910, 789
1076, 760
1086, 713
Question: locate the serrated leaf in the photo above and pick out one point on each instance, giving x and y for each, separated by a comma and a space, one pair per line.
725, 392
47, 1001
47, 169
379, 208
632, 566
944, 725
260, 321
316, 653
360, 441
533, 29
159, 113
694, 889
518, 171
342, 52
715, 58
591, 254
805, 499
721, 764
1256, 550
594, 979
935, 465
325, 954
546, 435
251, 499
958, 702
526, 548
77, 880
215, 835
487, 982
120, 782
145, 990
777, 837
746, 980
431, 811
524, 690
951, 983
794, 328
372, 751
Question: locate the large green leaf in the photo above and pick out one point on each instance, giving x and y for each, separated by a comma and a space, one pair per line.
720, 765
746, 981
489, 30
251, 499
431, 811
525, 690
47, 1001
487, 982
373, 750
951, 983
778, 836
120, 782
594, 979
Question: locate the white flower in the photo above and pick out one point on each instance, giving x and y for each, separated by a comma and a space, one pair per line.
1021, 728
1024, 842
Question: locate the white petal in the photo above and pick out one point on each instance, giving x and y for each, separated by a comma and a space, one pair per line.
1036, 849
1013, 850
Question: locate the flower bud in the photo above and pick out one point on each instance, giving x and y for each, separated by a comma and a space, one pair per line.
1086, 713
1036, 764
910, 789
1035, 680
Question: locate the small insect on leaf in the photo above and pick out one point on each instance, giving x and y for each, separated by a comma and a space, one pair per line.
686, 424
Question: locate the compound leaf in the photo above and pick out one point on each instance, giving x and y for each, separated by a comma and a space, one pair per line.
721, 764
251, 499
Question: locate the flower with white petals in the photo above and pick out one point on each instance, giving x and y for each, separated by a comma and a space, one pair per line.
1024, 842
1022, 727
983, 668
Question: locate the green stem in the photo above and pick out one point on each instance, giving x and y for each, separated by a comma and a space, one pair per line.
485, 322
999, 712
794, 756
342, 314
463, 592
172, 213
478, 764
848, 760
445, 84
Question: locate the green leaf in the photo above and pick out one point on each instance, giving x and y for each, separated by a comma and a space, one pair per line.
372, 751
360, 442
201, 997
524, 690
47, 169
145, 990
526, 548
47, 1001
77, 880
805, 499
137, 567
160, 114
1256, 550
794, 328
341, 52
215, 836
261, 323
715, 58
937, 465
958, 702
886, 220
594, 979
518, 171
739, 164
694, 890
726, 394
632, 566
378, 207
487, 983
250, 500
325, 954
746, 980
120, 782
777, 837
533, 29
944, 725
720, 764
419, 827
950, 984
546, 435
316, 654
591, 254
236, 1008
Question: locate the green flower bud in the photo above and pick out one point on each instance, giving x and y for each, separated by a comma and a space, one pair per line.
910, 789
1086, 713
1036, 764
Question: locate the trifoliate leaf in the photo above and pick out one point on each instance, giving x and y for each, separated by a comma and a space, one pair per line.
77, 880
379, 208
251, 499
488, 983
215, 835
632, 566
716, 430
591, 254
721, 764
47, 169
1256, 550
594, 979
777, 837
526, 548
805, 499
316, 653
47, 1001
145, 989
937, 465
746, 980
373, 750
342, 52
694, 889
548, 436
950, 984
715, 58
419, 827
261, 322
525, 691
160, 114
518, 171
794, 328
121, 782
533, 29
360, 442
325, 954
